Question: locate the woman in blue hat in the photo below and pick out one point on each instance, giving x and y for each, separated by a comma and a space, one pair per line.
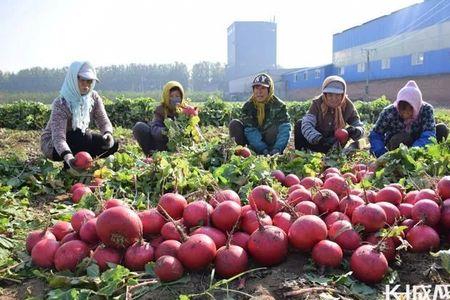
67, 132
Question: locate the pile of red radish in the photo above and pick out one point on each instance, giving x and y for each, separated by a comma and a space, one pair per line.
323, 216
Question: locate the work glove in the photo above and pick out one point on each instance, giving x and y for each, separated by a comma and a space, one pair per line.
328, 141
73, 170
108, 141
274, 151
353, 133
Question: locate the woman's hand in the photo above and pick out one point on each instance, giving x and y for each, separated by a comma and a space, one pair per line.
108, 141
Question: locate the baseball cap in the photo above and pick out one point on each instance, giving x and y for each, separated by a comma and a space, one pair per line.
334, 87
261, 79
87, 72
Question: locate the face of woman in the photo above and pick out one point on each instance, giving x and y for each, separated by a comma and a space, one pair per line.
334, 98
260, 92
84, 85
405, 110
174, 97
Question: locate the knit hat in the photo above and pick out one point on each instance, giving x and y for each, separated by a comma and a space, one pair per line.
411, 94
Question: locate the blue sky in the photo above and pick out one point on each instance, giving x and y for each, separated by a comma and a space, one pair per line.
52, 33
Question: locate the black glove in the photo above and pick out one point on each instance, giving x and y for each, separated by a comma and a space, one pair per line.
328, 141
353, 132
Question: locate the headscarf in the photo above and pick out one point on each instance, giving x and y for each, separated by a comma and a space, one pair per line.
165, 101
80, 105
338, 106
411, 94
261, 105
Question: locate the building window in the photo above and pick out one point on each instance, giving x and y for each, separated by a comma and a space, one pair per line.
385, 63
361, 67
296, 77
417, 59
341, 71
305, 75
317, 74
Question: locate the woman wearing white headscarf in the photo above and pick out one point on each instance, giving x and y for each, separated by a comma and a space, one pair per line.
67, 132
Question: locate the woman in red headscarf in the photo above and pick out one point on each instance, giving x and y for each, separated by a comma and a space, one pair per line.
330, 111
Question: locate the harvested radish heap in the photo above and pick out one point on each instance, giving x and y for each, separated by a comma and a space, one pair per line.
325, 219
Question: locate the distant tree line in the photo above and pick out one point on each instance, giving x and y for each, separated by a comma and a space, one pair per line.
204, 76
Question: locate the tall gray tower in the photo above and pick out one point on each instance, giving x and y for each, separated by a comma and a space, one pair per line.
252, 47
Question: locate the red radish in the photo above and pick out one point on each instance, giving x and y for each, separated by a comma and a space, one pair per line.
83, 160
331, 170
249, 222
427, 194
291, 179
43, 253
341, 135
371, 216
411, 197
387, 246
243, 152
422, 238
306, 208
309, 182
215, 234
75, 186
427, 211
329, 175
283, 220
197, 213
79, 193
268, 245
264, 198
230, 260
245, 209
359, 167
351, 177
279, 176
298, 196
443, 187
337, 185
95, 183
326, 200
240, 239
408, 223
148, 160
307, 231
70, 254
169, 247
334, 217
348, 204
344, 235
152, 221
399, 187
405, 210
226, 215
60, 229
119, 227
156, 241
224, 195
36, 236
113, 203
368, 196
445, 214
356, 192
197, 252
190, 111
327, 253
173, 204
389, 194
70, 237
138, 255
168, 268
104, 255
360, 175
368, 264
80, 217
170, 232
391, 211
294, 187
88, 232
